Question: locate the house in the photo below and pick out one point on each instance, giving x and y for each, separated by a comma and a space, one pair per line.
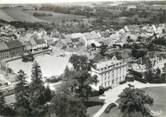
110, 72
89, 36
131, 7
4, 51
33, 44
16, 48
28, 46
40, 44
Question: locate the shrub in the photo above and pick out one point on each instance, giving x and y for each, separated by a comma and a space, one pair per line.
94, 101
122, 82
110, 106
53, 79
101, 90
41, 14
141, 80
95, 93
130, 79
107, 88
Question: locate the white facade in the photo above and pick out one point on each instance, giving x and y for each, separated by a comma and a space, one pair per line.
110, 72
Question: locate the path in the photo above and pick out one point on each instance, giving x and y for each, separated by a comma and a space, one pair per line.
112, 95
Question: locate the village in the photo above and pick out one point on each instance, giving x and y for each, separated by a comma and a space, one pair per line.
130, 56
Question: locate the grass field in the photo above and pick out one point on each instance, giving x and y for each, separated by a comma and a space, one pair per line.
56, 17
5, 16
92, 110
19, 15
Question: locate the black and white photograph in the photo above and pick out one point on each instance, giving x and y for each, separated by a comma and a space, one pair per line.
82, 58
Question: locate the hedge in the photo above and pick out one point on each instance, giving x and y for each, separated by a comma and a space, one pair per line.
122, 82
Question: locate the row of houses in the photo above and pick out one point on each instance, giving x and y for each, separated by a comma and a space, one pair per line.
15, 42
121, 37
17, 48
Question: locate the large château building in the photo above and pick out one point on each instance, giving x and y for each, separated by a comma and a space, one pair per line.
11, 49
110, 72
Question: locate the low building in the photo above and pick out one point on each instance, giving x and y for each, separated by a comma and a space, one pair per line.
110, 72
89, 36
4, 51
41, 44
16, 48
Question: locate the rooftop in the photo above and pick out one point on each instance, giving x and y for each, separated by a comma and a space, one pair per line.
108, 63
14, 44
3, 46
40, 41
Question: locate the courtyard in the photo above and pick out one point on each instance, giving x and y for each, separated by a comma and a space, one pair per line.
51, 65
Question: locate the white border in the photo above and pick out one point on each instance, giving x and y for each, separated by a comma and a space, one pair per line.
59, 1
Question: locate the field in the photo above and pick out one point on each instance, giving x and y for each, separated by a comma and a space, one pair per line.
5, 16
56, 17
19, 15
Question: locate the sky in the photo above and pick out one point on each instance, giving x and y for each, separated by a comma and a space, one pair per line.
58, 1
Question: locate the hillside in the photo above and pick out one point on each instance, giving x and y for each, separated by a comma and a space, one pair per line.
17, 14
5, 16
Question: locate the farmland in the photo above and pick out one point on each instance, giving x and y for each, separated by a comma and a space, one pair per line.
5, 16
55, 17
19, 15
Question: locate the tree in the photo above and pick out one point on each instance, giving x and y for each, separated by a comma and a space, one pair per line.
2, 104
80, 81
129, 39
66, 72
48, 94
163, 77
133, 103
80, 62
103, 49
66, 106
37, 92
5, 110
21, 95
137, 53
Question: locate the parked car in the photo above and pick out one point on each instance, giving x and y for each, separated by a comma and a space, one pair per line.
109, 107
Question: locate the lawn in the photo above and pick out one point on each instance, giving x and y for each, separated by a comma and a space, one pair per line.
10, 99
92, 110
159, 107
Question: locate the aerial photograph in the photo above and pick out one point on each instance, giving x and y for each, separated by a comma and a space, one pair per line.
83, 58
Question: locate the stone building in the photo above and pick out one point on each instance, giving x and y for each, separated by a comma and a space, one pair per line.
110, 72
15, 48
4, 51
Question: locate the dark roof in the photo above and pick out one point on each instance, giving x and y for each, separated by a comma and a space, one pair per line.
3, 46
14, 44
105, 34
40, 41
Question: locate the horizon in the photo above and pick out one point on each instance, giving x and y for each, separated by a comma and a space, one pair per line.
66, 1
